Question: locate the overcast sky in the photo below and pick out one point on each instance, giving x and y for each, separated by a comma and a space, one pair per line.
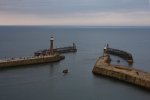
75, 12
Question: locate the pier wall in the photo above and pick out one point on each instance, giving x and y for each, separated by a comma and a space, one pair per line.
29, 61
57, 50
130, 75
122, 76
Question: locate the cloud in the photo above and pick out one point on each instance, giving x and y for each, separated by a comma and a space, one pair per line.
70, 6
103, 18
82, 12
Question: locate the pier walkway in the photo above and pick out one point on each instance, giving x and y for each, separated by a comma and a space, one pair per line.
130, 75
57, 50
30, 60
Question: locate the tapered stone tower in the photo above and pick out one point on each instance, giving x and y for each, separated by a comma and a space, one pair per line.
51, 50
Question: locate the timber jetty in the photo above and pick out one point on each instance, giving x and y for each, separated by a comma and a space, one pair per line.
127, 74
43, 56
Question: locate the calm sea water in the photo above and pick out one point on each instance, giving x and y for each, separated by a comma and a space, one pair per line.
47, 82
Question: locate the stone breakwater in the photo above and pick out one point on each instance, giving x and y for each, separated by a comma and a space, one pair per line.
123, 54
130, 75
30, 60
57, 50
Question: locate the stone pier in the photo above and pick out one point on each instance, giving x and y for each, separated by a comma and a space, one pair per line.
130, 75
30, 60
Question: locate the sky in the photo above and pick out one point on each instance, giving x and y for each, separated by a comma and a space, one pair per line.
75, 12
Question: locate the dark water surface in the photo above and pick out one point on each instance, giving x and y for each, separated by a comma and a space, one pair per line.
47, 82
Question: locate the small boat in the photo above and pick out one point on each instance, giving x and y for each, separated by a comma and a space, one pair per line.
65, 71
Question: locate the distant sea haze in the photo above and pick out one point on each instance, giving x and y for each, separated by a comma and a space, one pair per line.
47, 82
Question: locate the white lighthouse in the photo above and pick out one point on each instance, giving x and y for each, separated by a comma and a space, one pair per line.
51, 50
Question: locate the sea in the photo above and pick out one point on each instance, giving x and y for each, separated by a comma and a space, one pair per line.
47, 82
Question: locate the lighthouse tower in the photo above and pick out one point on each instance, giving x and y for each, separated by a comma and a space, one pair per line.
51, 51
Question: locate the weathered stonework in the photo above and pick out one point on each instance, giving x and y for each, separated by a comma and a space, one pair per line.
130, 75
31, 60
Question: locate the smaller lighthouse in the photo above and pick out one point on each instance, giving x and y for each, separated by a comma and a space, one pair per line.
51, 51
105, 49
